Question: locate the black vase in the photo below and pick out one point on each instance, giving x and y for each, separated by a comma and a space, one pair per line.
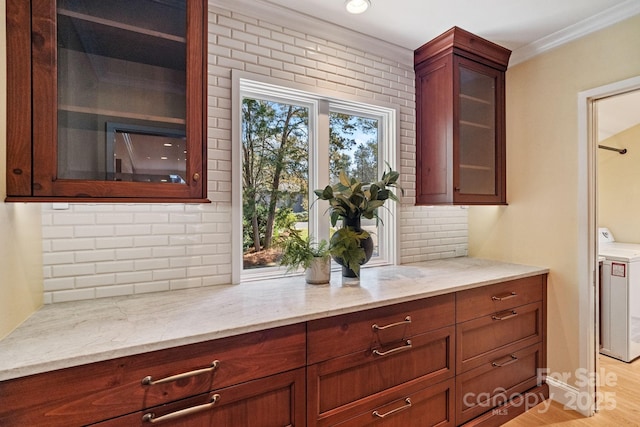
366, 244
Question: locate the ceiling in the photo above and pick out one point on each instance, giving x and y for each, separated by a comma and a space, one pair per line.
410, 23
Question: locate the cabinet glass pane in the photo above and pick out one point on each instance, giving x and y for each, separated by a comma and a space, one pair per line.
477, 133
121, 90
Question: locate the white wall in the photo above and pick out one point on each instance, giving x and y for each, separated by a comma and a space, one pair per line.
93, 251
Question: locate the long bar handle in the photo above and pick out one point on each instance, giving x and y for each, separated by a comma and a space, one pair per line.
150, 417
504, 297
407, 405
148, 380
509, 315
512, 359
406, 321
406, 346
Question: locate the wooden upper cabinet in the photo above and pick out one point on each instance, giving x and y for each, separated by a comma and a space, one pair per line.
106, 100
460, 115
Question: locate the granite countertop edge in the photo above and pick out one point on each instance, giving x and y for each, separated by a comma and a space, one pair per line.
69, 334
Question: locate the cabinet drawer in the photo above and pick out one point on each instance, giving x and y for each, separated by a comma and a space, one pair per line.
506, 330
345, 334
486, 300
340, 382
404, 407
496, 382
273, 401
94, 392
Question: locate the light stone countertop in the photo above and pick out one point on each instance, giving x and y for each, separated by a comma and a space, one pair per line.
75, 333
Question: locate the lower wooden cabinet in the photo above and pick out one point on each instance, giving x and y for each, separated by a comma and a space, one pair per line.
464, 358
100, 391
268, 402
415, 405
493, 384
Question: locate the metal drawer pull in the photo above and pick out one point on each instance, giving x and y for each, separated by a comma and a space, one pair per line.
512, 359
504, 296
406, 346
406, 321
150, 381
407, 405
510, 314
150, 417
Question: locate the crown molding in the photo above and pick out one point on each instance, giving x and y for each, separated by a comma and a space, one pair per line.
278, 15
587, 26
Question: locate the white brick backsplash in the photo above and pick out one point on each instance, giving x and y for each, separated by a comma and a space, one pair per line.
143, 288
134, 277
194, 282
114, 291
74, 295
59, 284
173, 273
70, 270
114, 242
152, 264
114, 266
95, 280
100, 250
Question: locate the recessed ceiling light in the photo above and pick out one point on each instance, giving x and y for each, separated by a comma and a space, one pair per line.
357, 6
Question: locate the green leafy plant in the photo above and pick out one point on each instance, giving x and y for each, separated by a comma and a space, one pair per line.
352, 198
345, 245
298, 251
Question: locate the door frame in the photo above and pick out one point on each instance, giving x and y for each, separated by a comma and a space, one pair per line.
587, 232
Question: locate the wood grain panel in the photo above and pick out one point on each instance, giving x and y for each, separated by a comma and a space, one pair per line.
91, 393
345, 334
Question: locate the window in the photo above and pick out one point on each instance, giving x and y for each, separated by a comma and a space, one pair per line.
287, 143
107, 101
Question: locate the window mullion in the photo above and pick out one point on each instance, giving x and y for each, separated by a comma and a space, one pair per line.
320, 176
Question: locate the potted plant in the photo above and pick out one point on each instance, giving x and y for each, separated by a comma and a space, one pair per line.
302, 252
351, 199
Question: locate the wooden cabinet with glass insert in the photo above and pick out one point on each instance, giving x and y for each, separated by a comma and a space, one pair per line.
460, 143
106, 100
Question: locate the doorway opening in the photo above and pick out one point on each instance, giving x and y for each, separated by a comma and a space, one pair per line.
589, 315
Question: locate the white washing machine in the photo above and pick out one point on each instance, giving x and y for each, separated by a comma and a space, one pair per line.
619, 297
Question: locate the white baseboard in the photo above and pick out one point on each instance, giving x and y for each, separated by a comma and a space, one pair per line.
570, 397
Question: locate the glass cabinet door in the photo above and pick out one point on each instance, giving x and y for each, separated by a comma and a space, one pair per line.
121, 90
477, 157
117, 91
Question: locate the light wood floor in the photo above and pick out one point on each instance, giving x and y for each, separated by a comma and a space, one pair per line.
624, 395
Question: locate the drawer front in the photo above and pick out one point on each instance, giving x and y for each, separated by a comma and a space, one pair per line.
430, 406
485, 300
273, 401
98, 391
345, 334
340, 382
492, 384
477, 339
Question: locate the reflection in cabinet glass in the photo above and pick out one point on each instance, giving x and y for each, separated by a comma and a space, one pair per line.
136, 65
477, 133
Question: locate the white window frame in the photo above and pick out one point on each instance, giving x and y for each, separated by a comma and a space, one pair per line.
320, 103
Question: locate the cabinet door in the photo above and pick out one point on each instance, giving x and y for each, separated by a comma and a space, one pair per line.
434, 136
117, 92
268, 402
478, 156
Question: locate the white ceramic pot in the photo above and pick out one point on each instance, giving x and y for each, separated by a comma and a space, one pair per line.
319, 272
